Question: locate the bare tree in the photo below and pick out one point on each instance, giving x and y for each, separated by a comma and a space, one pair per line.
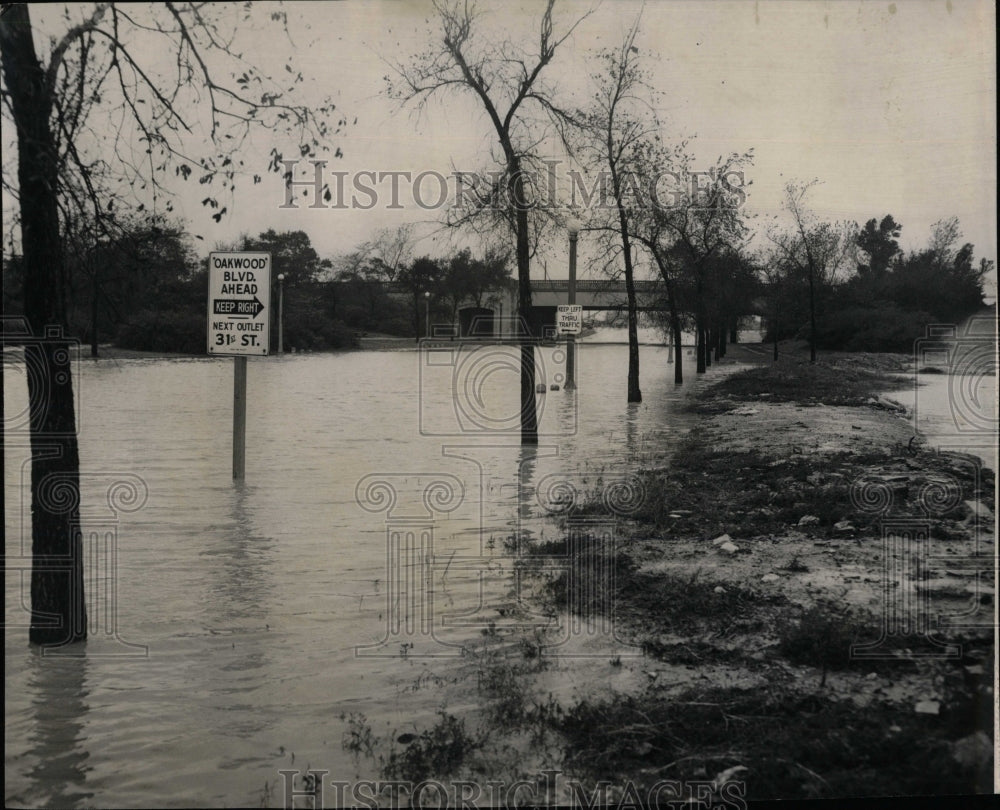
703, 217
375, 263
505, 81
648, 227
391, 249
100, 88
620, 117
815, 249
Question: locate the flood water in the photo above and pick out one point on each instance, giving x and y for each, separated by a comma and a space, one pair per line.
233, 626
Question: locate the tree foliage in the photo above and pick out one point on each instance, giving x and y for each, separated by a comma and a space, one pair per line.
878, 308
878, 241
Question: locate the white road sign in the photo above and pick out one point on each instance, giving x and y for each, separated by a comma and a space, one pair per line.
569, 319
239, 303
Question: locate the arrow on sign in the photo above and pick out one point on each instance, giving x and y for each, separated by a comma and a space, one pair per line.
237, 306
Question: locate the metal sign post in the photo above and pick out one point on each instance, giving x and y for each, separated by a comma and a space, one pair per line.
239, 418
239, 319
569, 322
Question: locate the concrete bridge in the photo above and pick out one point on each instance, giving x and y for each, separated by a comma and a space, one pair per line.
597, 294
547, 294
593, 295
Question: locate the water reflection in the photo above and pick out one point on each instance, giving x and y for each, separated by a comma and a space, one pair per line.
631, 429
57, 741
238, 572
239, 560
255, 607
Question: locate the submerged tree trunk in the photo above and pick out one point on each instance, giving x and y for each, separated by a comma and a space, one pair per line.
634, 394
529, 413
675, 323
93, 313
58, 607
700, 325
703, 349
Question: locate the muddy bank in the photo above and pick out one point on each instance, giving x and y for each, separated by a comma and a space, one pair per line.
802, 605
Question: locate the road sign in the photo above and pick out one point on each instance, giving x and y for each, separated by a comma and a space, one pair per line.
569, 319
239, 304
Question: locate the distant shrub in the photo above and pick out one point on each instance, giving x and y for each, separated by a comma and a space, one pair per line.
169, 331
885, 328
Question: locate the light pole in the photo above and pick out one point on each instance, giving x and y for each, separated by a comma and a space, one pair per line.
281, 313
574, 232
427, 312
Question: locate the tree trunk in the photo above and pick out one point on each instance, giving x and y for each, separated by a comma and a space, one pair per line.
699, 330
812, 319
93, 313
58, 607
734, 333
675, 318
634, 394
675, 323
529, 413
700, 319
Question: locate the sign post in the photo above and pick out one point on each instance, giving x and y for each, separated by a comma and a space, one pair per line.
569, 322
239, 317
239, 418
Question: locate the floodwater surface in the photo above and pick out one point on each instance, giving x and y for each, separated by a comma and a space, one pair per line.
234, 626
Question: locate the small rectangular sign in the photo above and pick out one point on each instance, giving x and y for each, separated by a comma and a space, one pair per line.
239, 304
569, 319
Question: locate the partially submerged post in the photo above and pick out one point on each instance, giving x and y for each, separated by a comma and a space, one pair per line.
239, 315
239, 418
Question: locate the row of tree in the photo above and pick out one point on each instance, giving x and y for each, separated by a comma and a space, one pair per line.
388, 261
146, 288
856, 289
662, 211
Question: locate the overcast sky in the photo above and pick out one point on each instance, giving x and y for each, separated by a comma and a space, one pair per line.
891, 105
